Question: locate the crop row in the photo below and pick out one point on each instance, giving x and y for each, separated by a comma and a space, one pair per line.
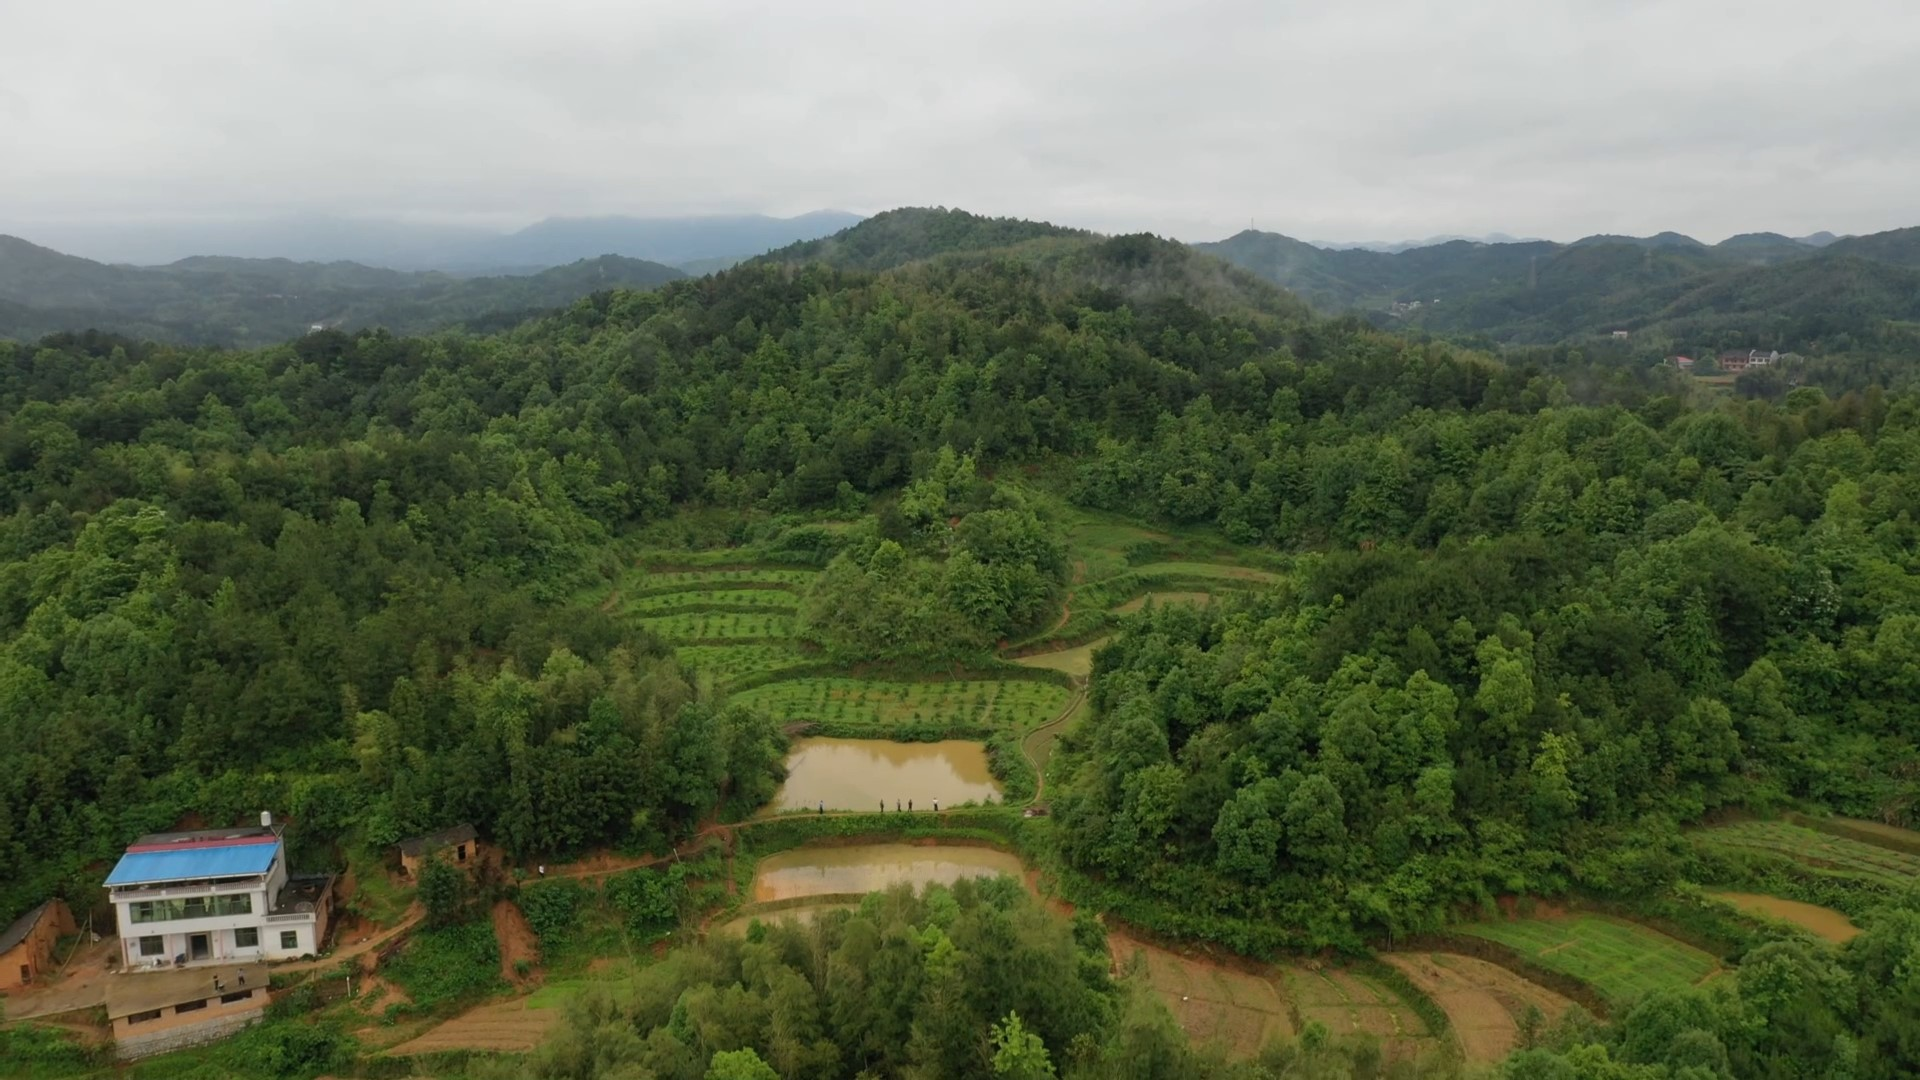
1811, 848
954, 702
1620, 959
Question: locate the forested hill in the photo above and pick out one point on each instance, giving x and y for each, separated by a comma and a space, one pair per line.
1138, 268
228, 301
910, 234
1671, 291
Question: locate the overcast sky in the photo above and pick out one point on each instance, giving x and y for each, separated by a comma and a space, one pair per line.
1362, 119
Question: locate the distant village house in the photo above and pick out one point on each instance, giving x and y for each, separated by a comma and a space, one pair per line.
457, 845
215, 896
1742, 359
1620, 334
165, 1011
1684, 363
26, 946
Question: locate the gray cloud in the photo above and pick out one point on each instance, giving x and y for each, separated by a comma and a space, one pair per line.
1372, 118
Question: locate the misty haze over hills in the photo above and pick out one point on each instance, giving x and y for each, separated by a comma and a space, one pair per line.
292, 273
710, 240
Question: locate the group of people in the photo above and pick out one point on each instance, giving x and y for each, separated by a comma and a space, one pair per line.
883, 806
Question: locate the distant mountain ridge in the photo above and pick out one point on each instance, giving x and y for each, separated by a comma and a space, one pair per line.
222, 300
399, 245
1541, 292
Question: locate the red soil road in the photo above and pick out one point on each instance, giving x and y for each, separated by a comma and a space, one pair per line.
516, 939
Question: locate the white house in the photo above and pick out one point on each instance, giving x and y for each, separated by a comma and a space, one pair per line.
215, 896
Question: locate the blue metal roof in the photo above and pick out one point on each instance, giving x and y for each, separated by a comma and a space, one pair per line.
139, 867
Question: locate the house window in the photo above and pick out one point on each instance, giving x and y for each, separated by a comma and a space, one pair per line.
237, 995
289, 939
189, 1006
154, 945
246, 937
193, 907
460, 853
143, 1017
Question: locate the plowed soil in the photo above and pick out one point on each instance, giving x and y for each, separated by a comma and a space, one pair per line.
1347, 1003
1485, 1002
1238, 1010
509, 1027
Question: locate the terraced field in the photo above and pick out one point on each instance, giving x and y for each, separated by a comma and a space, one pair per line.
1813, 848
731, 663
1485, 1003
1622, 960
1348, 1003
1235, 1010
882, 705
738, 600
716, 626
649, 582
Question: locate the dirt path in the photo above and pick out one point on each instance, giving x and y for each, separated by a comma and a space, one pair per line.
415, 915
1049, 729
518, 945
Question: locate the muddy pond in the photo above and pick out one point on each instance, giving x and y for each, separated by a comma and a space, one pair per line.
861, 774
1827, 923
862, 868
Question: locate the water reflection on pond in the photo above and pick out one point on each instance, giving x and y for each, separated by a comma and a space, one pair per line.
872, 867
861, 774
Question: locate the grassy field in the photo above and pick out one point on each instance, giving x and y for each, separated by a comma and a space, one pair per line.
1622, 960
1816, 849
882, 705
1076, 661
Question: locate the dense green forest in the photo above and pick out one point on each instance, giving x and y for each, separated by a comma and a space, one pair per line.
1541, 612
228, 301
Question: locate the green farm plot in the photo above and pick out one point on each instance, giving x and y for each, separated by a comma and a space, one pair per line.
645, 583
1813, 848
714, 600
981, 702
1206, 570
1620, 959
731, 663
711, 626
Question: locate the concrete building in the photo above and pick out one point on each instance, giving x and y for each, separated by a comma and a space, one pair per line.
215, 896
26, 946
458, 845
163, 1011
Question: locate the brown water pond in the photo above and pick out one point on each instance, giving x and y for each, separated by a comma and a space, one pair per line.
1824, 922
861, 774
861, 868
802, 915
